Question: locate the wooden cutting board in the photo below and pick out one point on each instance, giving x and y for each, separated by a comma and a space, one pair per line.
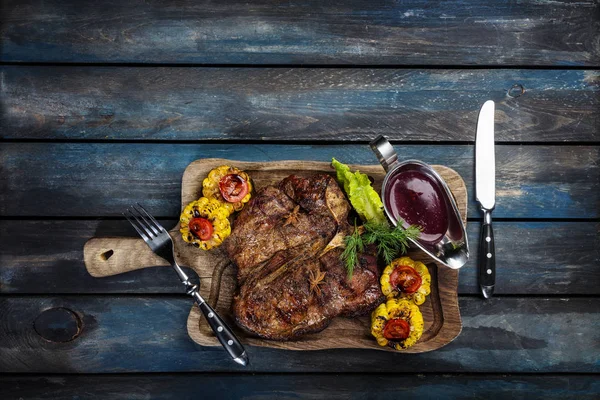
111, 256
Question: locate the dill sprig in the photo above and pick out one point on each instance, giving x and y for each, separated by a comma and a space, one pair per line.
390, 242
354, 245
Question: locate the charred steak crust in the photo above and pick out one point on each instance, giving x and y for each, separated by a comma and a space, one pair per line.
261, 231
286, 245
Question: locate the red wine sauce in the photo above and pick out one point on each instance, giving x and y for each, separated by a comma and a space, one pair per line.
417, 199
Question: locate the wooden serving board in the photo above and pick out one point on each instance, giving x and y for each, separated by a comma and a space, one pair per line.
111, 256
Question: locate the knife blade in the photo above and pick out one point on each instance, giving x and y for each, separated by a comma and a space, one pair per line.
485, 190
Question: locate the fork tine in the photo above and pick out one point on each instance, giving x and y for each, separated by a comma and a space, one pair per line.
134, 224
139, 217
156, 224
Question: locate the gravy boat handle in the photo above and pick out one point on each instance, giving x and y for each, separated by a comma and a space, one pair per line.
385, 152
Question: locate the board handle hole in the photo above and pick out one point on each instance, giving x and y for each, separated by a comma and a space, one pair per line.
106, 255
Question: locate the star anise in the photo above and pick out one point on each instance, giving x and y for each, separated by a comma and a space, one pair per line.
316, 278
292, 218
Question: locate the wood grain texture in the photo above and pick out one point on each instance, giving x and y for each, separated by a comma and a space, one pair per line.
295, 386
145, 334
98, 103
218, 282
337, 32
94, 180
44, 257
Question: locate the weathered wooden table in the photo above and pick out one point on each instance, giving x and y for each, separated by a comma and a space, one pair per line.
105, 103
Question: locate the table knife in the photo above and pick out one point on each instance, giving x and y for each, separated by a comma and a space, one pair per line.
485, 189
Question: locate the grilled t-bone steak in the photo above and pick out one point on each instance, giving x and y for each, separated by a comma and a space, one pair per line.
286, 245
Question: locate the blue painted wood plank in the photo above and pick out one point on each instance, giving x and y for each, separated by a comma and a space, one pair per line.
415, 32
283, 104
533, 258
90, 179
295, 386
148, 334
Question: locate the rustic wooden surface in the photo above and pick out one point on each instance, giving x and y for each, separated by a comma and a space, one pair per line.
316, 104
102, 179
142, 333
105, 104
459, 32
294, 386
308, 386
111, 256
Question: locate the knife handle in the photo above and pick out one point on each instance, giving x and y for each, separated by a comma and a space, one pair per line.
487, 256
225, 335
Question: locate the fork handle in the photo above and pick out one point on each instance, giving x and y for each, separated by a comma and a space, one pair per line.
225, 335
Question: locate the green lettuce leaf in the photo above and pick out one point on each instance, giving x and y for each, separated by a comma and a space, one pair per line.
361, 194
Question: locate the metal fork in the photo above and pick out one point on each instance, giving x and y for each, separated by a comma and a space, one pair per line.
159, 240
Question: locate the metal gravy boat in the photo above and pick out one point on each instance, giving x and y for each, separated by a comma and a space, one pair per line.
452, 250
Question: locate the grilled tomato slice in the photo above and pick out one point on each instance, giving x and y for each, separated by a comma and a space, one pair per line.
233, 188
205, 223
398, 323
406, 278
396, 329
230, 185
201, 228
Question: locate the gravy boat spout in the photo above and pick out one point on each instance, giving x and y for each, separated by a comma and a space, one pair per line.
414, 193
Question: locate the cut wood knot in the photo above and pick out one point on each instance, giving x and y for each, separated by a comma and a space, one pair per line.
58, 325
516, 90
